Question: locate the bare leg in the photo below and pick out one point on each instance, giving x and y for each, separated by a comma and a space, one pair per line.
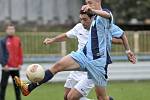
101, 93
66, 63
67, 90
74, 94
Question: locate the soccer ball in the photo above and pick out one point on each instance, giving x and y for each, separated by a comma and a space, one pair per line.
35, 73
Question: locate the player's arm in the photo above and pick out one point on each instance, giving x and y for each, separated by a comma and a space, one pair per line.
125, 42
117, 41
59, 38
101, 13
120, 34
130, 54
62, 37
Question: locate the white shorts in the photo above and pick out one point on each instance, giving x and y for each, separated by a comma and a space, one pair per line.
84, 85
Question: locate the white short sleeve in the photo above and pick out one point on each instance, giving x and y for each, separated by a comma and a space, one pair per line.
74, 31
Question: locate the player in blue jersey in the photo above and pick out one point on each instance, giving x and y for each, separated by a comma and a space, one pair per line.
94, 58
77, 84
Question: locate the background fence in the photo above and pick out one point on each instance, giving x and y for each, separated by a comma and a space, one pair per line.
33, 46
36, 52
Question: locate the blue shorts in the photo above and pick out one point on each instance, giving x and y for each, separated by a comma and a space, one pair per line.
95, 68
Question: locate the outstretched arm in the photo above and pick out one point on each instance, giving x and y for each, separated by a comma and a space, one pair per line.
59, 38
117, 41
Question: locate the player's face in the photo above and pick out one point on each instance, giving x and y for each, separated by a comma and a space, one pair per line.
92, 3
85, 20
10, 30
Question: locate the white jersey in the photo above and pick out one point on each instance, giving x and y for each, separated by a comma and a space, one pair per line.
82, 35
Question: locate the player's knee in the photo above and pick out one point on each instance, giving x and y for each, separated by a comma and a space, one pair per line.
72, 97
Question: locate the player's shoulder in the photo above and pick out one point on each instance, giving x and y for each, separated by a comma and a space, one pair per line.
17, 38
107, 10
114, 26
78, 26
3, 38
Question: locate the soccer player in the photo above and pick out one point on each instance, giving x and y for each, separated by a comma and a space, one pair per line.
77, 84
94, 58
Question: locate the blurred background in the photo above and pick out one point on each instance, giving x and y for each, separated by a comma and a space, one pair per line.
37, 19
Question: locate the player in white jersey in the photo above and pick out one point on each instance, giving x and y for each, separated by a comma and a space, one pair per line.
77, 83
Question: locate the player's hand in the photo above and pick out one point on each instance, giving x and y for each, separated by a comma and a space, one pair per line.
131, 57
86, 8
48, 41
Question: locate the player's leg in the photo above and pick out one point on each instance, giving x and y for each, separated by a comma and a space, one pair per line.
66, 91
101, 93
66, 63
74, 94
81, 90
70, 83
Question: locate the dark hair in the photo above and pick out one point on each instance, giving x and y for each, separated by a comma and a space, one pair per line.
9, 24
89, 14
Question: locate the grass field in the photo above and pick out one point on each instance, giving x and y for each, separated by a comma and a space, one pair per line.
119, 90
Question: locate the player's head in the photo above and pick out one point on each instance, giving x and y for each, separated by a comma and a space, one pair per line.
10, 29
85, 19
94, 4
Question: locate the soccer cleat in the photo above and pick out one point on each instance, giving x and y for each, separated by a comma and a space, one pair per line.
23, 86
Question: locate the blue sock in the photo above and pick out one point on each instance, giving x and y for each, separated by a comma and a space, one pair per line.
111, 98
47, 77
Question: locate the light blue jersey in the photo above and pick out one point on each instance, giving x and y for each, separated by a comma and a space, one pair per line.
115, 32
95, 56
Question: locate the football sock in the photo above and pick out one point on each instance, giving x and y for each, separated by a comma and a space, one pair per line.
47, 77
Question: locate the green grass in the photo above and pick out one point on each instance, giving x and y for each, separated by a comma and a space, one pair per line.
119, 90
130, 90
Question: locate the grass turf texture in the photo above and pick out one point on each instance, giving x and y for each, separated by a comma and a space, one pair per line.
119, 90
